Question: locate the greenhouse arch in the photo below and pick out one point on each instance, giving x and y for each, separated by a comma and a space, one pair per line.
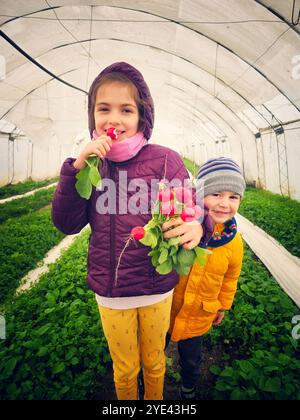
179, 49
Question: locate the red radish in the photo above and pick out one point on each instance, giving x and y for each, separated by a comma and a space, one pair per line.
165, 195
112, 133
168, 208
138, 233
198, 211
188, 214
190, 204
183, 194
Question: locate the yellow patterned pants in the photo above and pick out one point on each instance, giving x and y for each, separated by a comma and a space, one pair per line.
136, 337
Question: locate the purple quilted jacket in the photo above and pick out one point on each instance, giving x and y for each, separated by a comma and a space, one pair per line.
70, 213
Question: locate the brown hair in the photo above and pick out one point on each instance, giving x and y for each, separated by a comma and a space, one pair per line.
118, 77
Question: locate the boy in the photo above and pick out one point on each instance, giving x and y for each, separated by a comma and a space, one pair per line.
201, 298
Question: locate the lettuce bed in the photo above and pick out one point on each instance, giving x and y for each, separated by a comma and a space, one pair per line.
278, 216
23, 187
261, 358
25, 205
55, 347
24, 242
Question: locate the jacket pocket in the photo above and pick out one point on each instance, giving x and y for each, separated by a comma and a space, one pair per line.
211, 306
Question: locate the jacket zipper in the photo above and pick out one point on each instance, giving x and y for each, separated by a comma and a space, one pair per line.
112, 241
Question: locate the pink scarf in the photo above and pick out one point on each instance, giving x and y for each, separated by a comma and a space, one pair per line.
124, 149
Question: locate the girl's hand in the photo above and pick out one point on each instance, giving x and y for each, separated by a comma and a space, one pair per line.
99, 147
190, 232
219, 318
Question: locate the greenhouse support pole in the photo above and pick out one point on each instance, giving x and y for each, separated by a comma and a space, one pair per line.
260, 161
282, 162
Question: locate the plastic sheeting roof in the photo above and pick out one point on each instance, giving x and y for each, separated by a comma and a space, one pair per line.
217, 69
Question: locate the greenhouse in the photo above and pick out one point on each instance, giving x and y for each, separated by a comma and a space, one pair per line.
102, 105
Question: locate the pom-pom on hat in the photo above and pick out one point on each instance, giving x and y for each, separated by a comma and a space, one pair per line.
221, 174
136, 77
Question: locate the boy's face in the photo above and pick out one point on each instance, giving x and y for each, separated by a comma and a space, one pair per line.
115, 107
222, 206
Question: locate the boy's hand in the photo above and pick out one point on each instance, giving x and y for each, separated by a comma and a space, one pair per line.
190, 232
99, 147
219, 318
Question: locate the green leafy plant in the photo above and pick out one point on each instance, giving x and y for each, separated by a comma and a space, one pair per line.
23, 187
54, 346
191, 166
25, 241
171, 372
25, 205
275, 214
261, 357
88, 177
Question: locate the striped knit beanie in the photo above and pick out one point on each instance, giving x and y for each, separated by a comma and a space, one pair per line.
221, 174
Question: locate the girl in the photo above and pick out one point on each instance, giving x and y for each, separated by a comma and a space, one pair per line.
201, 298
134, 305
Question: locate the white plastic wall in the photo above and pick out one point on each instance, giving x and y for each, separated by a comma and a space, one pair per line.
21, 159
4, 179
271, 159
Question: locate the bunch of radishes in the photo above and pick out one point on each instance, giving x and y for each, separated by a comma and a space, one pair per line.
178, 201
167, 254
172, 202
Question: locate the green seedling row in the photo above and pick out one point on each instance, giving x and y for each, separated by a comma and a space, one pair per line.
25, 241
55, 347
25, 205
23, 187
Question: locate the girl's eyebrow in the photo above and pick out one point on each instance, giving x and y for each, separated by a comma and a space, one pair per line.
133, 105
105, 103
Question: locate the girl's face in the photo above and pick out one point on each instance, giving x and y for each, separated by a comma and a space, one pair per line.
222, 206
116, 107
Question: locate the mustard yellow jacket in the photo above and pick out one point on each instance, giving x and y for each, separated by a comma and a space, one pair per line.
198, 296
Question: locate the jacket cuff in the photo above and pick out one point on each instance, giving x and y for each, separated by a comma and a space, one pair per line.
225, 307
68, 167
